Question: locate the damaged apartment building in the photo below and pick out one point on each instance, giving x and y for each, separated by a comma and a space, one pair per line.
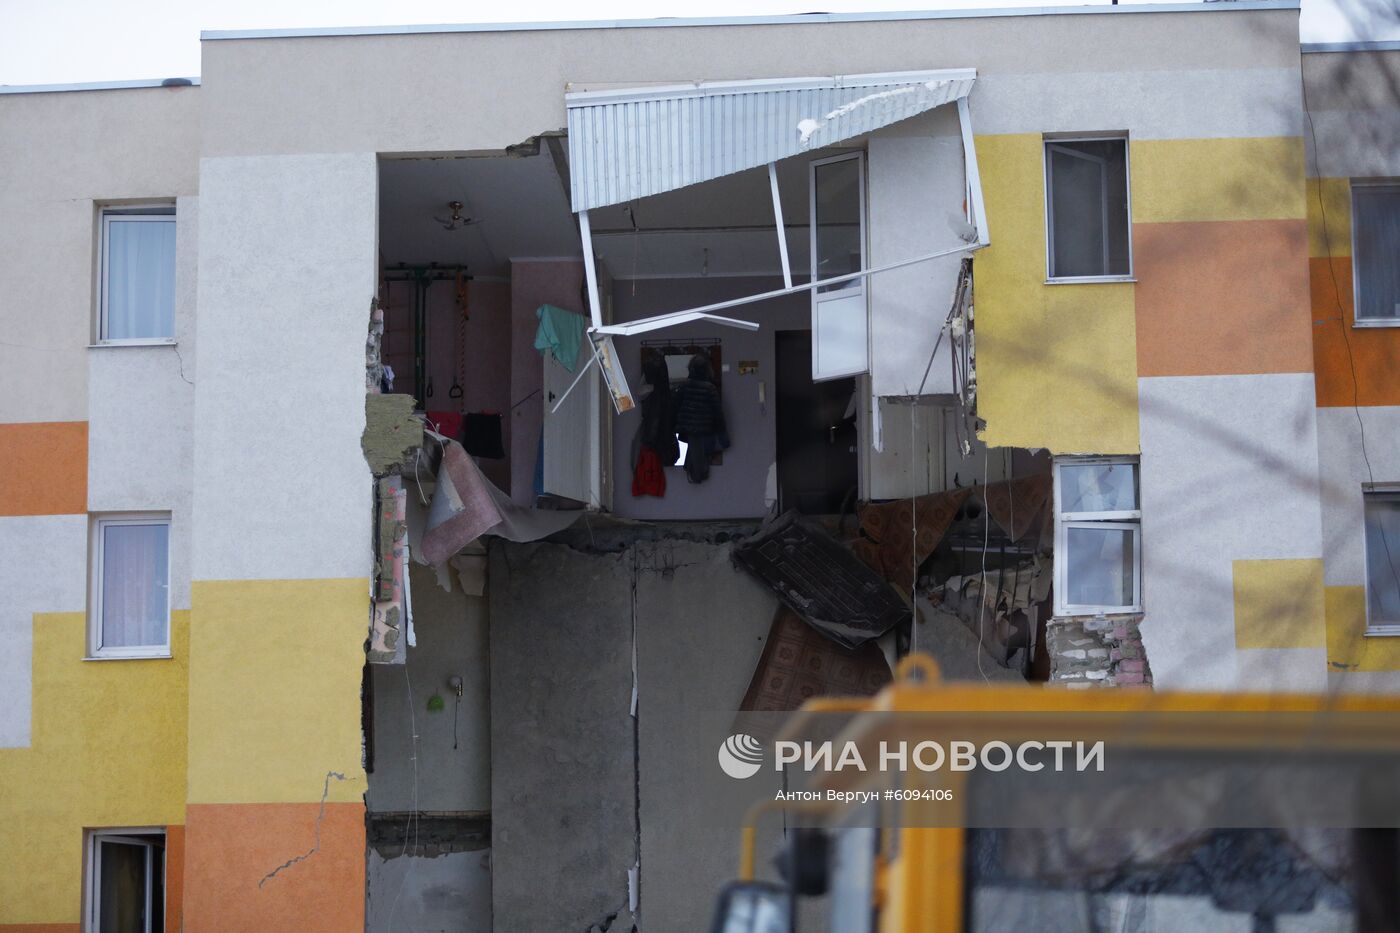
409, 432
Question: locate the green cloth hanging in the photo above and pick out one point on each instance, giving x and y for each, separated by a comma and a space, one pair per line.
560, 333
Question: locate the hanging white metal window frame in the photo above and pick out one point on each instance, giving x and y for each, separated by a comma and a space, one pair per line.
646, 173
849, 298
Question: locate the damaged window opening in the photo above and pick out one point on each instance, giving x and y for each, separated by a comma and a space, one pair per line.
840, 316
1098, 535
1087, 216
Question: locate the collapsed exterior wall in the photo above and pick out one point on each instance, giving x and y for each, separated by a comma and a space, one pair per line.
604, 657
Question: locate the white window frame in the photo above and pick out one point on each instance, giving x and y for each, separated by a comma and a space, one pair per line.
1045, 144
1124, 520
849, 286
1356, 319
92, 870
124, 213
96, 652
1388, 492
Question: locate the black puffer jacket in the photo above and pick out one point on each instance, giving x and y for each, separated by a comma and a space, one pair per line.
658, 427
698, 409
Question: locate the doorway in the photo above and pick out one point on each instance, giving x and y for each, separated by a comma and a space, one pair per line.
816, 431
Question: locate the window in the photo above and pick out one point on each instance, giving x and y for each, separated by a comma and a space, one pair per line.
1086, 208
840, 317
138, 275
1375, 220
130, 598
1381, 508
125, 881
1098, 536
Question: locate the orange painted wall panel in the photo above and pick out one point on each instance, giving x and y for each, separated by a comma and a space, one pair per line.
174, 879
1375, 350
1222, 298
231, 848
43, 468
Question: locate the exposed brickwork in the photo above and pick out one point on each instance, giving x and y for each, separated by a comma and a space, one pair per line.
1091, 652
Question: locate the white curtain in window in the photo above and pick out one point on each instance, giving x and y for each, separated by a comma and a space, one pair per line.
1377, 218
135, 585
140, 278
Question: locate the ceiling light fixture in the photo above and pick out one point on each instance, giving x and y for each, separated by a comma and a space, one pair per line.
456, 221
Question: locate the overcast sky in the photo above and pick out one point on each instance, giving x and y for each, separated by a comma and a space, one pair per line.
64, 41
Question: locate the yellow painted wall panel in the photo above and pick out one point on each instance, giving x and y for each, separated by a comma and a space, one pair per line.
107, 750
275, 690
1348, 648
1329, 198
1279, 604
1258, 178
1056, 364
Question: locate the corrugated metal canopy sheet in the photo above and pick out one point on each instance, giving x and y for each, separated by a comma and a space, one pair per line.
635, 142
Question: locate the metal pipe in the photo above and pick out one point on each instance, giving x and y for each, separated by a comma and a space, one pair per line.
780, 292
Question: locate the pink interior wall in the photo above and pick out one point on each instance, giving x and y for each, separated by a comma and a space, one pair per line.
484, 339
533, 283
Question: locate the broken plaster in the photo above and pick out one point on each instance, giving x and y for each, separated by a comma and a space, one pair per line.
392, 432
316, 847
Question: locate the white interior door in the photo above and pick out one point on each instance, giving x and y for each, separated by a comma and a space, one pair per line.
573, 434
840, 311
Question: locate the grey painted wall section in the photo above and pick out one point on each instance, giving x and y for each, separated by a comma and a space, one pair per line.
1149, 103
451, 634
317, 95
1343, 471
736, 487
447, 894
1354, 101
1202, 437
271, 317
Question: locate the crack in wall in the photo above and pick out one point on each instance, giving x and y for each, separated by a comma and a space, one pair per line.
320, 815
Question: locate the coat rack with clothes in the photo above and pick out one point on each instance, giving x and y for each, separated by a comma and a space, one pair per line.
683, 420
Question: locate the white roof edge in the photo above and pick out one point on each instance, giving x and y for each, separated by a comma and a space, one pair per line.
1378, 45
98, 85
585, 98
217, 35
